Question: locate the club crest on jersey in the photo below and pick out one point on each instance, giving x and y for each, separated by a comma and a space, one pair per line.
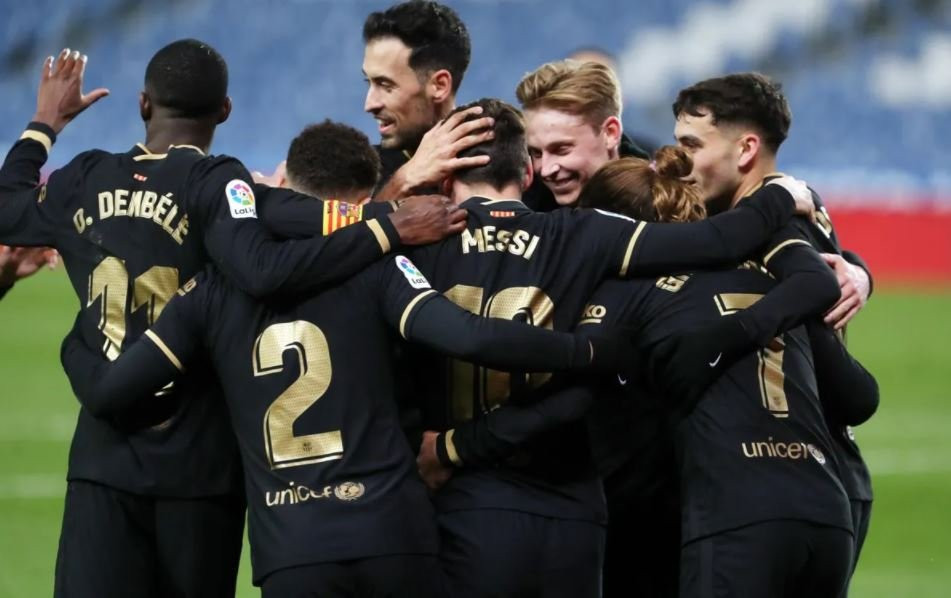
338, 214
348, 491
412, 274
240, 199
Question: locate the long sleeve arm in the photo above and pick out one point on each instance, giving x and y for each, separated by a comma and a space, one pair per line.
107, 388
486, 440
21, 168
849, 393
724, 239
493, 342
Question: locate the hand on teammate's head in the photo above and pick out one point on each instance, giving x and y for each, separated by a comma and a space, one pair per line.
426, 219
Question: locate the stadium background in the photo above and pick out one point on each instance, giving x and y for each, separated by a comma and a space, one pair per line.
869, 82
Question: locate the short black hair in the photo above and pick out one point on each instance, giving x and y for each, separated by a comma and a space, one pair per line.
330, 160
506, 149
436, 36
741, 98
188, 77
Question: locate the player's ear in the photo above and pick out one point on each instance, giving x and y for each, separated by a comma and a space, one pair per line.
225, 111
529, 175
750, 147
145, 106
439, 86
447, 185
611, 131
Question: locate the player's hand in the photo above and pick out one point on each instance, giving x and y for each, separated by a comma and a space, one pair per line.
275, 179
435, 158
854, 283
800, 193
20, 262
61, 96
433, 473
427, 218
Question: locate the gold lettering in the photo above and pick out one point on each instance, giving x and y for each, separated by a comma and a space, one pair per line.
796, 450
135, 204
148, 204
502, 239
181, 231
748, 454
166, 224
473, 239
270, 501
288, 494
518, 242
122, 199
161, 209
487, 233
531, 247
79, 220
782, 450
105, 205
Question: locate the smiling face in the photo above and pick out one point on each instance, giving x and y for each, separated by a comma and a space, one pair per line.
566, 150
396, 97
717, 153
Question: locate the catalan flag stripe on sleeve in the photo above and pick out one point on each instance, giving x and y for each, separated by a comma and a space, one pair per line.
338, 214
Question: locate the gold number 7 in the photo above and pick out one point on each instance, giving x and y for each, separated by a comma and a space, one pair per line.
769, 370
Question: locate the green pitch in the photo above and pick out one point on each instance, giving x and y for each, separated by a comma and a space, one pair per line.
902, 337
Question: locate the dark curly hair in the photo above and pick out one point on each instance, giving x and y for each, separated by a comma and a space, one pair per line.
742, 98
331, 160
436, 36
508, 154
188, 77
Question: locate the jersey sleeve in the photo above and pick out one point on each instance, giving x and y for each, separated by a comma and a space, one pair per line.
724, 239
292, 215
848, 392
805, 287
21, 168
108, 388
496, 436
222, 198
422, 315
25, 219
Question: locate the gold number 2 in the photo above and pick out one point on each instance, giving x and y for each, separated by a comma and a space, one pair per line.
110, 282
772, 380
528, 304
283, 447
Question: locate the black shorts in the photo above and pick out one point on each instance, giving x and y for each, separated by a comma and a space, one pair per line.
394, 576
861, 515
774, 559
114, 543
642, 553
498, 553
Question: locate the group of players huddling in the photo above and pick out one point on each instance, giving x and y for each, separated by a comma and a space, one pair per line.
503, 353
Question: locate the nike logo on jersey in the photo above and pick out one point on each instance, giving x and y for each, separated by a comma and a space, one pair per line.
621, 380
714, 363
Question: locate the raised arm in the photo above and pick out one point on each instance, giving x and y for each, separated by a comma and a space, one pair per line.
849, 393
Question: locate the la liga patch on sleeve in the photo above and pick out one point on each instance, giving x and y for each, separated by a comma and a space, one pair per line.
240, 199
412, 274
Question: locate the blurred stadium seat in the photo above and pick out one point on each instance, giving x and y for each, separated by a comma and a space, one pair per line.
867, 80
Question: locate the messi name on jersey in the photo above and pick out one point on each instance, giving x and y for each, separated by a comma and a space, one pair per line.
161, 210
489, 238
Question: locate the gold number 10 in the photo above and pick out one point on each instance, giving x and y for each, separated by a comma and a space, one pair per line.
529, 304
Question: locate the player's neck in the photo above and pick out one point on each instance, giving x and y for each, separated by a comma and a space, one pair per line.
160, 133
463, 191
753, 179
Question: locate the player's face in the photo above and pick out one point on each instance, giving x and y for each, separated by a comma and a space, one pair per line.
396, 97
715, 152
566, 150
